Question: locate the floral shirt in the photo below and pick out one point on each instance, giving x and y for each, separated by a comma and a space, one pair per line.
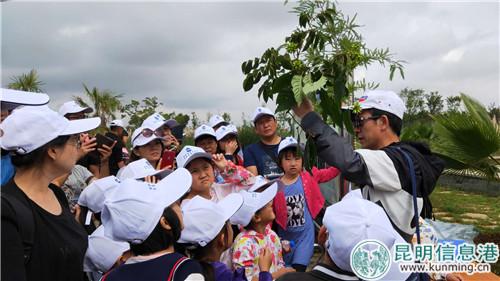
235, 177
247, 247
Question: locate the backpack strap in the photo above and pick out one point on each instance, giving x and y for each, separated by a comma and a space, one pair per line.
175, 267
24, 220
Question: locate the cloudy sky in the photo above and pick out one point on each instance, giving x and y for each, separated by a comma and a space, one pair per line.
189, 54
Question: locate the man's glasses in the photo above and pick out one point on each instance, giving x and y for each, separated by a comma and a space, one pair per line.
359, 121
147, 133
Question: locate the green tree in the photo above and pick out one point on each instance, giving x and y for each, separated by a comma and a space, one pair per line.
415, 104
29, 82
468, 141
195, 121
494, 113
316, 60
434, 103
227, 117
104, 102
138, 111
453, 103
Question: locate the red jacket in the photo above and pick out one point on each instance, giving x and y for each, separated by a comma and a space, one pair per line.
312, 192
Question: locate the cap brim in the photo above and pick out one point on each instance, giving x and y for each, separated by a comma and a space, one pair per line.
230, 204
23, 98
197, 155
205, 134
141, 140
262, 114
175, 185
81, 125
268, 194
289, 145
226, 134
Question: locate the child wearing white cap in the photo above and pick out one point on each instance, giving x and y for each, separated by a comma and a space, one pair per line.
148, 217
229, 145
163, 128
299, 202
255, 215
147, 144
38, 229
202, 166
207, 234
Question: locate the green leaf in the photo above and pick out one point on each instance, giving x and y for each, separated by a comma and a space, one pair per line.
285, 101
248, 66
303, 19
297, 88
315, 86
282, 82
346, 117
248, 83
310, 39
244, 67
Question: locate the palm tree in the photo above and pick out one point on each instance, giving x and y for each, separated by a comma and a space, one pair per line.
104, 102
26, 82
468, 141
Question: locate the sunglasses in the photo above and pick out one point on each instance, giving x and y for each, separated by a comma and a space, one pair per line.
358, 121
147, 133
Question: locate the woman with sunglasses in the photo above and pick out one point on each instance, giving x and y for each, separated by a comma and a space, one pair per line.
41, 240
146, 144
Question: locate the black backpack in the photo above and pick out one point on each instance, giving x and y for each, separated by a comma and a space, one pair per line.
25, 221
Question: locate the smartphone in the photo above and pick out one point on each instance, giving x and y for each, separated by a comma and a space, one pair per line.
102, 139
167, 159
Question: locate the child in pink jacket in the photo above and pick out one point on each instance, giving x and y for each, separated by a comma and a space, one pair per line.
298, 203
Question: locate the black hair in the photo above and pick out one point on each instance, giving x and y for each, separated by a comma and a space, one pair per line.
37, 156
202, 137
394, 122
160, 239
294, 149
235, 154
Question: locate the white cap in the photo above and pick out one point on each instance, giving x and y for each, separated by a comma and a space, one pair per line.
353, 220
23, 98
252, 202
204, 219
223, 131
94, 194
30, 127
156, 120
139, 140
132, 211
261, 111
189, 153
383, 100
140, 169
287, 142
117, 123
204, 130
73, 107
102, 252
216, 120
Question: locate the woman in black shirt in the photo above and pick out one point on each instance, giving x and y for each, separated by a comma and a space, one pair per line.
41, 240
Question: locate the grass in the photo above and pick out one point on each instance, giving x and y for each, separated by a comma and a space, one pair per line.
456, 206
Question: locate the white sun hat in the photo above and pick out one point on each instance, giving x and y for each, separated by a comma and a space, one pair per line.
30, 127
72, 107
16, 97
261, 111
102, 252
140, 169
189, 153
132, 211
204, 219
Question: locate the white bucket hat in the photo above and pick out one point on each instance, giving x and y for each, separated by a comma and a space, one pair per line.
102, 252
30, 127
73, 107
204, 219
132, 211
189, 153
